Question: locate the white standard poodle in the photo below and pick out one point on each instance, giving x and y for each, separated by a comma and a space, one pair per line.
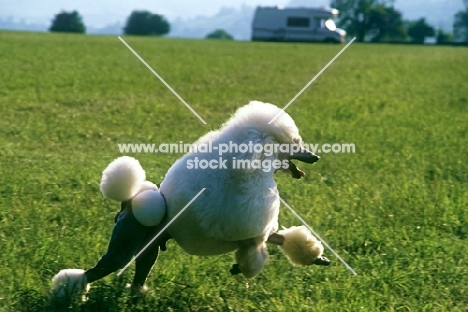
237, 211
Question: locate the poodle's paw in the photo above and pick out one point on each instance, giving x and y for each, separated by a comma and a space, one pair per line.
235, 269
69, 284
322, 261
301, 247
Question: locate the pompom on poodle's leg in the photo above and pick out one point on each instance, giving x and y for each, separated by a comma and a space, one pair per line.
128, 237
65, 283
70, 283
250, 257
299, 246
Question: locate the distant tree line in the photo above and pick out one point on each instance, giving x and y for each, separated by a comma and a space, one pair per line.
219, 34
68, 22
144, 23
379, 21
368, 20
141, 23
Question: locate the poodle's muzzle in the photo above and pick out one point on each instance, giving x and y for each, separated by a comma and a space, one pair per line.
303, 155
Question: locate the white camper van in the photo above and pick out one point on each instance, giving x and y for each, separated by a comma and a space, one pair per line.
296, 24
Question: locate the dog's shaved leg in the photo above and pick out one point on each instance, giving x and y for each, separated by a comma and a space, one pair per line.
276, 239
143, 265
147, 259
235, 269
251, 258
127, 235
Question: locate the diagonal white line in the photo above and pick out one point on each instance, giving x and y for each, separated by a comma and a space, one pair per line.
162, 80
163, 229
315, 233
313, 79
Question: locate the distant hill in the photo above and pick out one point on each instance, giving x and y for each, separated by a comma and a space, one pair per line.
12, 24
111, 29
439, 13
236, 22
308, 3
15, 24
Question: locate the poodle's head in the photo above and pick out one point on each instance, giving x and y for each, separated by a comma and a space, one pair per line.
268, 119
275, 128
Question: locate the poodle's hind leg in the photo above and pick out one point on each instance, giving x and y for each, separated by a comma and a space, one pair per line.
143, 265
146, 260
127, 236
250, 257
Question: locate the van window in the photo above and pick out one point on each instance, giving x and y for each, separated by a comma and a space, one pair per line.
298, 22
317, 22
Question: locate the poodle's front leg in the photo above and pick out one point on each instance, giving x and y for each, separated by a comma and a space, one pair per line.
250, 257
276, 239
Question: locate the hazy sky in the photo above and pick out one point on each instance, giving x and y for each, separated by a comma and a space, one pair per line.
100, 13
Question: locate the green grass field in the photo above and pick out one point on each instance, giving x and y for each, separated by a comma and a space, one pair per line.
396, 210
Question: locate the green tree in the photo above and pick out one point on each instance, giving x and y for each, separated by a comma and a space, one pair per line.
443, 37
145, 23
355, 15
220, 34
386, 23
419, 30
68, 22
460, 24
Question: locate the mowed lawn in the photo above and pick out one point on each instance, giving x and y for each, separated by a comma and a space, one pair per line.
395, 210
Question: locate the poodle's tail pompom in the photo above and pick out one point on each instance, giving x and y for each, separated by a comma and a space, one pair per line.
300, 246
122, 179
70, 283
